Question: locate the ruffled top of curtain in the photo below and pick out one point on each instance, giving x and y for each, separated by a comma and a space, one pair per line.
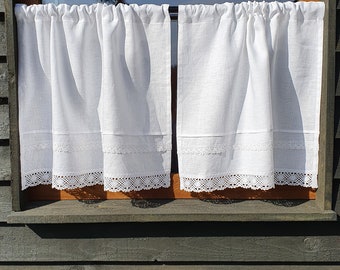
268, 10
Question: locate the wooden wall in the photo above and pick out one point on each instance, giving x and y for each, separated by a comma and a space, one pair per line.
170, 245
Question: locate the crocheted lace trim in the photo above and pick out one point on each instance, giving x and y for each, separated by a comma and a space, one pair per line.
113, 184
137, 183
254, 182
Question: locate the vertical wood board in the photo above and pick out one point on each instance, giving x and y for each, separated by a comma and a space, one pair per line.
326, 138
17, 197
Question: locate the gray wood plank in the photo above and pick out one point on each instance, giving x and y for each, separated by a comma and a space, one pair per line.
177, 210
53, 244
5, 203
4, 122
169, 267
3, 79
5, 163
3, 39
2, 5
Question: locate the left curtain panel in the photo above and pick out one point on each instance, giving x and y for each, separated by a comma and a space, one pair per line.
94, 96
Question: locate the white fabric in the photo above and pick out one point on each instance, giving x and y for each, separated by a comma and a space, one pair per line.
249, 84
94, 96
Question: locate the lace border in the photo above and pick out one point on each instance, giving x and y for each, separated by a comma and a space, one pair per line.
137, 183
109, 149
127, 184
254, 182
113, 184
268, 146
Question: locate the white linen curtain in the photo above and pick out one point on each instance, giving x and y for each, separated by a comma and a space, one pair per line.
94, 96
249, 84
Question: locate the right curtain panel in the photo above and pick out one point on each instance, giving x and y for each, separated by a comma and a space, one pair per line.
249, 88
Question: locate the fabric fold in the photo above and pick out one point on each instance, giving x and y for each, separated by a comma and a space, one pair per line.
249, 86
94, 96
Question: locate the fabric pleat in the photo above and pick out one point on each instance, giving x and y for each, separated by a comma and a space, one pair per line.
94, 96
249, 87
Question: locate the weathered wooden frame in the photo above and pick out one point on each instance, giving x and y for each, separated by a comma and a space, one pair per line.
181, 210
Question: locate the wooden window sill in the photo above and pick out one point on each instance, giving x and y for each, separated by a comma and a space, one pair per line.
71, 211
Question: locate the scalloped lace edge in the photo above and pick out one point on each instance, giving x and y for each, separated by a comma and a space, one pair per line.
254, 182
137, 183
113, 184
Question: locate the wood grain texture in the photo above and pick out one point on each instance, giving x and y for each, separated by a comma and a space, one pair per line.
5, 204
171, 242
3, 80
2, 5
17, 198
5, 163
168, 267
3, 42
4, 122
326, 138
168, 211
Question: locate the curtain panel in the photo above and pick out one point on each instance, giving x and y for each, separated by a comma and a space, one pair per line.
249, 86
94, 96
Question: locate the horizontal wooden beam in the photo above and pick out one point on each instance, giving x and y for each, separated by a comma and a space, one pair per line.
161, 266
173, 242
167, 211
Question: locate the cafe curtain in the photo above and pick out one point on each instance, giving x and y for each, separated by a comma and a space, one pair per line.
249, 84
94, 96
